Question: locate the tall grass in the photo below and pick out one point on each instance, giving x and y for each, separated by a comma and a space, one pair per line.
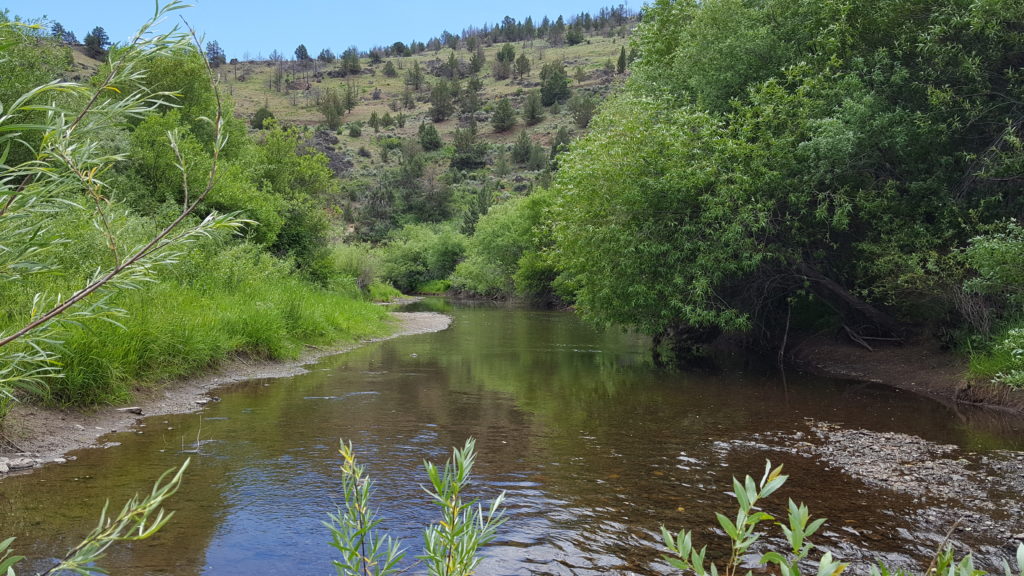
221, 301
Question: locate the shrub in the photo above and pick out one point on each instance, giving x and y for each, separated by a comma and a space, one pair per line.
260, 117
419, 253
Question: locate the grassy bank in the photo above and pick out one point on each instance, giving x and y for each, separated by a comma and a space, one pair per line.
219, 302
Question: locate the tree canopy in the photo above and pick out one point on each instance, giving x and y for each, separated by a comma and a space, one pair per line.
766, 155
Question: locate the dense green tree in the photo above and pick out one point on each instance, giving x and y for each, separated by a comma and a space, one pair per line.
521, 148
215, 54
441, 101
350, 60
389, 69
504, 117
533, 109
429, 139
470, 153
507, 53
523, 65
302, 54
332, 106
772, 156
62, 34
554, 83
96, 42
477, 60
326, 56
620, 66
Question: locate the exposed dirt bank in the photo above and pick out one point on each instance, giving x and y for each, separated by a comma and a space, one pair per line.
919, 365
34, 435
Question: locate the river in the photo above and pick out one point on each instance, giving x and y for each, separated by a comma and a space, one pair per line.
595, 447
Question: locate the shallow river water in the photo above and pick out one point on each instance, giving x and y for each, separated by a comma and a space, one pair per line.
595, 447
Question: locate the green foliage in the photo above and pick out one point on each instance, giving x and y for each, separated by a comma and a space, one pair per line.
442, 103
354, 532
96, 42
302, 54
261, 116
620, 65
766, 151
504, 117
430, 140
554, 83
502, 255
450, 546
470, 153
332, 106
420, 253
389, 69
582, 106
533, 109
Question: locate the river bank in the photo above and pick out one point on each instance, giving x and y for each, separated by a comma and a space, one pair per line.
921, 366
35, 435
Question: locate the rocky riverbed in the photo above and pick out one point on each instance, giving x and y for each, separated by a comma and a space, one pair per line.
966, 499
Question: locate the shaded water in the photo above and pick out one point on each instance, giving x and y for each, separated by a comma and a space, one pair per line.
595, 447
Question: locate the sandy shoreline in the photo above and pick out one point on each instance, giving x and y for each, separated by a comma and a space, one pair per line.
35, 435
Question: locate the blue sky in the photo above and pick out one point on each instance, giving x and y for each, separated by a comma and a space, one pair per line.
258, 27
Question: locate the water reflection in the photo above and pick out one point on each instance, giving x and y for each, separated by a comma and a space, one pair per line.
595, 447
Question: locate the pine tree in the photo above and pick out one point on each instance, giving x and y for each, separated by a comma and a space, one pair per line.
621, 65
521, 148
523, 65
441, 105
430, 140
414, 78
533, 110
215, 54
326, 56
389, 69
301, 54
554, 83
504, 117
96, 43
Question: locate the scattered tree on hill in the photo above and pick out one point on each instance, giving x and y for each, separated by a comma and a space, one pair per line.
620, 67
414, 78
523, 66
350, 98
301, 54
62, 34
556, 33
533, 109
350, 60
275, 56
501, 70
521, 148
326, 56
554, 83
574, 36
408, 100
215, 54
441, 101
477, 60
430, 140
507, 53
504, 117
332, 106
389, 69
582, 107
96, 42
374, 121
470, 153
